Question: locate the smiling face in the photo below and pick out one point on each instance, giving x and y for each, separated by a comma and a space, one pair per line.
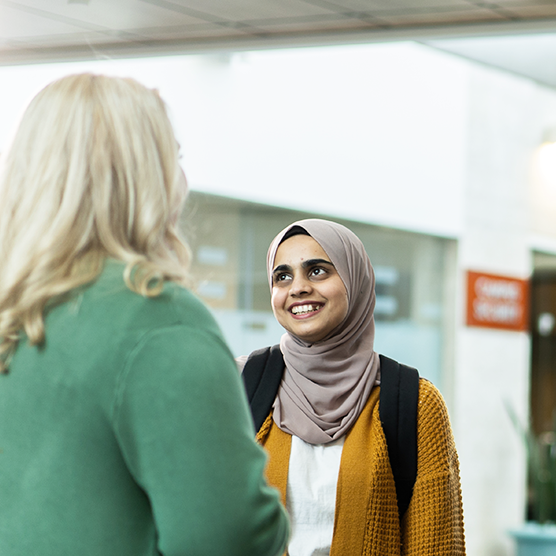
309, 298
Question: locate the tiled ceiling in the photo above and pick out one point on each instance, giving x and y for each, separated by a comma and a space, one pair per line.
41, 30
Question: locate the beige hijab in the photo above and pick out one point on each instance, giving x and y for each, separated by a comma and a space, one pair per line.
326, 384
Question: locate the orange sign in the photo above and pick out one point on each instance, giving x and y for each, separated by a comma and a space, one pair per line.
497, 301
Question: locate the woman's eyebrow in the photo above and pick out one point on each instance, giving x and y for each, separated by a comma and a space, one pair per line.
305, 264
282, 268
312, 262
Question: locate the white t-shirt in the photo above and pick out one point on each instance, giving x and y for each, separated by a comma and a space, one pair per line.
311, 496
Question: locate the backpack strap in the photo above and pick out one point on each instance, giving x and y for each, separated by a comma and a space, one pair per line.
399, 397
262, 375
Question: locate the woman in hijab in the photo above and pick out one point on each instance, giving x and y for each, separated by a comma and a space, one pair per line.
327, 447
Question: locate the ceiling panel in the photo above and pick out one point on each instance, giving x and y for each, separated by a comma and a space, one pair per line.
518, 3
109, 14
242, 9
444, 18
333, 23
374, 5
534, 11
15, 23
49, 30
68, 40
206, 31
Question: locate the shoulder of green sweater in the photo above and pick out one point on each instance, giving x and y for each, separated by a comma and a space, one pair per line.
107, 310
174, 305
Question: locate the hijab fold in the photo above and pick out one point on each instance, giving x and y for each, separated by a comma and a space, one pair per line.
326, 384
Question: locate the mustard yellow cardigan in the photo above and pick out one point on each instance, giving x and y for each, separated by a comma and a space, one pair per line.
366, 517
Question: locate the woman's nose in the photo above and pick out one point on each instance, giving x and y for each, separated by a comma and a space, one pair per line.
300, 285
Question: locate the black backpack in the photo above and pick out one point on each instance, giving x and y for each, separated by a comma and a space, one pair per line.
399, 393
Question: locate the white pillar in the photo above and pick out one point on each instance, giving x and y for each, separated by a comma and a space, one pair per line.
492, 366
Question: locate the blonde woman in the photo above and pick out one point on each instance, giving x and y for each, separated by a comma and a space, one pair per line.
123, 426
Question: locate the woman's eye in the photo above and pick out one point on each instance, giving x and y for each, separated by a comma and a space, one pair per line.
318, 272
280, 277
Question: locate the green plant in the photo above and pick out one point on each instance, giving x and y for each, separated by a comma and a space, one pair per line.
541, 467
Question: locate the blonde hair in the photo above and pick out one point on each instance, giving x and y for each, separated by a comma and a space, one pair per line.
92, 173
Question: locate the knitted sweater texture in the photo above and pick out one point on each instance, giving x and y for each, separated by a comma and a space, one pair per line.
366, 514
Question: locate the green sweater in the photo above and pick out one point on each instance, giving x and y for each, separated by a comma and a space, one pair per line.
128, 434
